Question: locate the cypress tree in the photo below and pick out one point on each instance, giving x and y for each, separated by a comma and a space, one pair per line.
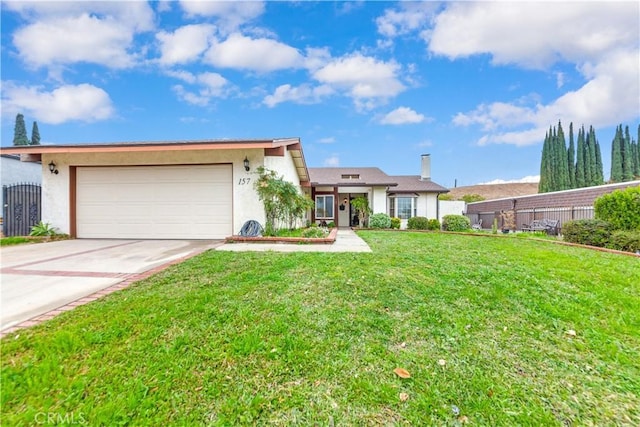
543, 185
35, 134
553, 160
20, 132
636, 155
571, 165
627, 161
599, 167
580, 168
591, 143
616, 156
587, 160
561, 165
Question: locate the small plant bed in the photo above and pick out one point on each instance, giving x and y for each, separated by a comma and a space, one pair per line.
317, 235
19, 240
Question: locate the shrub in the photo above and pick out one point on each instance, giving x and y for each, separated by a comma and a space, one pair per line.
470, 198
395, 223
317, 232
593, 232
418, 223
620, 208
623, 240
331, 224
433, 225
456, 223
43, 229
380, 220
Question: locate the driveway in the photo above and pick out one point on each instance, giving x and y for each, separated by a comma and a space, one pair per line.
54, 277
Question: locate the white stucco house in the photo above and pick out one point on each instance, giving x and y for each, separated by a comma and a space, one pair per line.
159, 190
403, 196
202, 189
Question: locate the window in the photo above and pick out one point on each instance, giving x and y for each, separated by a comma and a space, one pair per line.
324, 207
404, 207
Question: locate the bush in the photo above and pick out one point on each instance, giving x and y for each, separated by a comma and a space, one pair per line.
456, 223
43, 229
380, 220
622, 240
314, 232
418, 223
620, 208
395, 223
593, 232
433, 225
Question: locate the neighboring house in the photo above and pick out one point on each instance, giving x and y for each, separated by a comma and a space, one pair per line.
332, 189
14, 171
160, 190
203, 189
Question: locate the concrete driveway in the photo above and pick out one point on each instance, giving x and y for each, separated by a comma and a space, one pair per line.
41, 280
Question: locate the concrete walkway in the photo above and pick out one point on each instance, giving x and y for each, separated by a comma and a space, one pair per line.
39, 281
346, 241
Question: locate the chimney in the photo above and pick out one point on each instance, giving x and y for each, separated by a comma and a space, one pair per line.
425, 175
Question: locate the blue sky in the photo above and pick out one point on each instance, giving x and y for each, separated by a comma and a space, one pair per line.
475, 84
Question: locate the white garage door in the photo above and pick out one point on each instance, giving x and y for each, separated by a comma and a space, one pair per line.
154, 202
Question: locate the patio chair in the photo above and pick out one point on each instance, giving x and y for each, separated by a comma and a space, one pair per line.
477, 225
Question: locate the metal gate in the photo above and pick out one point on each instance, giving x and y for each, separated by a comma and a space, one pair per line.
22, 208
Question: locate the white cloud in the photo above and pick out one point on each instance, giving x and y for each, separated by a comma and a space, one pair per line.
367, 80
402, 116
409, 17
602, 41
261, 55
211, 85
303, 94
332, 161
230, 14
527, 179
527, 34
327, 140
185, 44
82, 102
68, 32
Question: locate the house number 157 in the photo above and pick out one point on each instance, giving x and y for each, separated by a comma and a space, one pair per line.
244, 181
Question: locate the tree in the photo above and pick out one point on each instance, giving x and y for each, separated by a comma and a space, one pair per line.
597, 177
616, 156
571, 161
580, 168
35, 134
627, 157
543, 185
20, 132
561, 165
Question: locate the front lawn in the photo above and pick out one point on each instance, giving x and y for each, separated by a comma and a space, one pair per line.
492, 331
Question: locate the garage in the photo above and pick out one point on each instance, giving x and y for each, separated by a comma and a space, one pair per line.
154, 202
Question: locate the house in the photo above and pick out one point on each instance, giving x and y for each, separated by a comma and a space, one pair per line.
202, 189
160, 190
404, 197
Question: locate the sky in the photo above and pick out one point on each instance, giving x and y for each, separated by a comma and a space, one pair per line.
474, 84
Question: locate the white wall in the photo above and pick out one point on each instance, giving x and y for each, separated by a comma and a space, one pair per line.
451, 207
378, 200
246, 205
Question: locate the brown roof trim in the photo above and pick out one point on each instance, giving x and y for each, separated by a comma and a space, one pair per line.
150, 146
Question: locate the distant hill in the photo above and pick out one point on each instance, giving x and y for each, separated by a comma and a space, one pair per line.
495, 191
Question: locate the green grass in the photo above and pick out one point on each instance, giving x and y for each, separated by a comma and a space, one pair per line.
17, 240
313, 339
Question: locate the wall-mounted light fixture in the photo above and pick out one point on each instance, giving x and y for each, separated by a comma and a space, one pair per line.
52, 168
246, 164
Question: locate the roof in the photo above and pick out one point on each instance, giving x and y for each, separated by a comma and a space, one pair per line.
358, 177
414, 184
35, 152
